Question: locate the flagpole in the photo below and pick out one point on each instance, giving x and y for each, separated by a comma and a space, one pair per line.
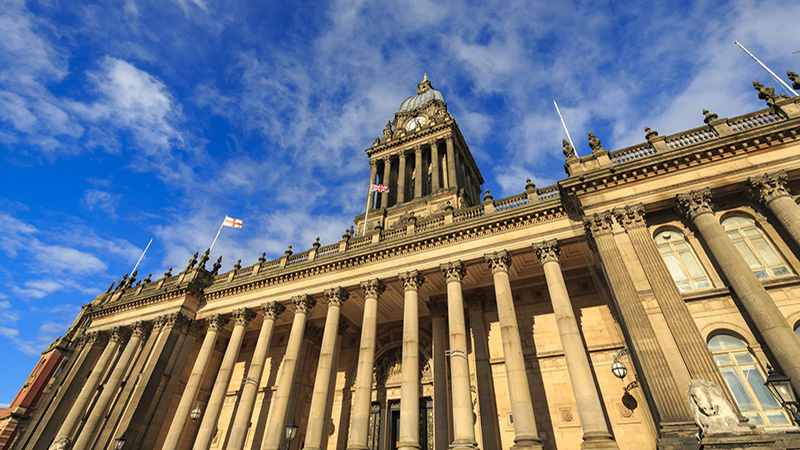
140, 258
782, 83
366, 213
564, 124
218, 232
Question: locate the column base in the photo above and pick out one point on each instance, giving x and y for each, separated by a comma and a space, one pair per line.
527, 443
357, 447
61, 443
598, 441
408, 446
463, 445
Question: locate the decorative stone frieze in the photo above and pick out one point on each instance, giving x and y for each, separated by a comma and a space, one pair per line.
336, 296
695, 203
547, 251
768, 187
630, 216
303, 304
243, 316
453, 271
498, 261
437, 307
217, 322
273, 310
411, 281
373, 288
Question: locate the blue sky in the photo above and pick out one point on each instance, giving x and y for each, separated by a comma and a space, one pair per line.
126, 120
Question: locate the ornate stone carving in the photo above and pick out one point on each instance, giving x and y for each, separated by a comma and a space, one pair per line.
453, 271
192, 261
313, 333
569, 150
142, 329
204, 259
649, 134
547, 251
437, 307
695, 203
474, 300
768, 187
272, 310
216, 322
411, 281
88, 338
387, 132
712, 412
766, 93
498, 261
303, 304
594, 143
708, 117
795, 79
566, 414
193, 327
60, 444
119, 335
336, 296
373, 288
630, 216
598, 224
243, 316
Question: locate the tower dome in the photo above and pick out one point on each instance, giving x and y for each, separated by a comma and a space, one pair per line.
425, 93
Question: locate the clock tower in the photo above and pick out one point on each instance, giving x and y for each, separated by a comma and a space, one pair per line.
423, 160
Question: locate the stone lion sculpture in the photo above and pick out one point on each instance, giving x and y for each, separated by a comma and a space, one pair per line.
712, 411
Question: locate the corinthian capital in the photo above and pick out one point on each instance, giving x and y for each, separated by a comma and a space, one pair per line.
119, 335
453, 271
243, 316
768, 187
630, 216
412, 280
598, 224
547, 251
216, 322
373, 288
303, 304
272, 310
695, 203
437, 307
142, 329
475, 300
336, 296
498, 261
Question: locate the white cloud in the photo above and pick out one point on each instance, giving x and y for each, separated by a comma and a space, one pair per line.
94, 199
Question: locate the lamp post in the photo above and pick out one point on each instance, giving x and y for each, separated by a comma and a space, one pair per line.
781, 388
291, 432
196, 412
120, 442
619, 370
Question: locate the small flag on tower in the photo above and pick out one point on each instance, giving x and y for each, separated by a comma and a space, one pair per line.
379, 188
231, 222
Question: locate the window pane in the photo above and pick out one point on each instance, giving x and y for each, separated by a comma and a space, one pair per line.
755, 418
765, 250
675, 268
763, 393
780, 271
735, 222
797, 329
777, 418
703, 284
743, 358
724, 341
723, 360
737, 388
685, 286
681, 245
761, 274
748, 255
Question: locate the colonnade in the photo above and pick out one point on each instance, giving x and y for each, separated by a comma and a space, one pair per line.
426, 170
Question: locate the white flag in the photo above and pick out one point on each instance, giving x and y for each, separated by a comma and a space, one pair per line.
231, 222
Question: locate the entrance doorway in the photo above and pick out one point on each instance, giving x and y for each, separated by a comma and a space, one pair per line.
385, 434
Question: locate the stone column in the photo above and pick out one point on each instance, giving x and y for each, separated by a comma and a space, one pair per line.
690, 343
322, 382
595, 431
115, 338
441, 427
109, 390
483, 372
525, 433
670, 407
241, 423
409, 378
771, 191
420, 172
214, 323
401, 178
451, 163
435, 184
763, 311
463, 425
242, 318
373, 173
359, 419
276, 420
387, 176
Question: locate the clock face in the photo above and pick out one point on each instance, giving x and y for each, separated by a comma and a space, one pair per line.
415, 122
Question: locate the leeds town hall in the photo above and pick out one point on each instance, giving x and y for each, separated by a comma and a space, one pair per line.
648, 300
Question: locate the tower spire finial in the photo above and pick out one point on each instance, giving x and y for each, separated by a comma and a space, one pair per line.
424, 85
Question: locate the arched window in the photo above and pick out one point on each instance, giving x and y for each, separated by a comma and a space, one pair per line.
797, 329
745, 379
754, 247
681, 261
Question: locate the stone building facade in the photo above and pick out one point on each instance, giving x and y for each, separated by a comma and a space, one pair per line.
447, 319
